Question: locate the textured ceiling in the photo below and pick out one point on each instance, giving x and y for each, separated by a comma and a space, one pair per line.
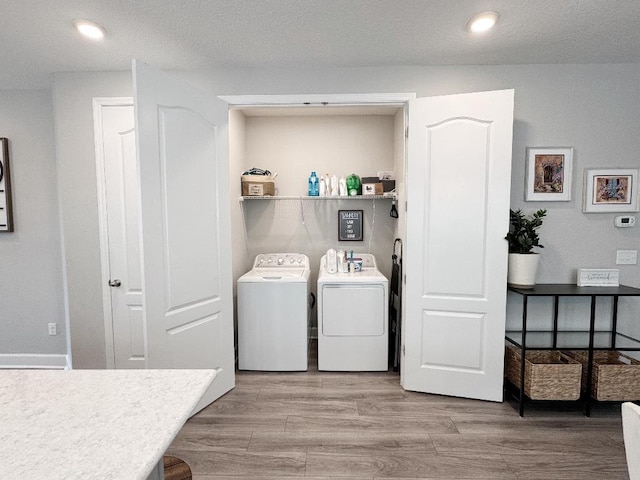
37, 38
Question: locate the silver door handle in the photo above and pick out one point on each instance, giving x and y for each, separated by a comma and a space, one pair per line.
114, 283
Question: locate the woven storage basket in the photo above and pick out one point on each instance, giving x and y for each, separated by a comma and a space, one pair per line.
616, 376
548, 374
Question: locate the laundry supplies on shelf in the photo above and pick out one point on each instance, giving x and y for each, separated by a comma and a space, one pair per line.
257, 183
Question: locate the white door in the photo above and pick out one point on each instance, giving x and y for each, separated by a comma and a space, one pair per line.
458, 189
119, 196
186, 242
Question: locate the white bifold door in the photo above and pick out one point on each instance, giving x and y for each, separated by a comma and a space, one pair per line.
181, 136
458, 189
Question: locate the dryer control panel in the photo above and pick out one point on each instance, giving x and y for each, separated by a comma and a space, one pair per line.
281, 260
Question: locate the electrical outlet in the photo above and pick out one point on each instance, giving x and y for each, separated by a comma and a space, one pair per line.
53, 328
626, 257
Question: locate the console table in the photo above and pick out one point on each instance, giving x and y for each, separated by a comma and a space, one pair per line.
556, 339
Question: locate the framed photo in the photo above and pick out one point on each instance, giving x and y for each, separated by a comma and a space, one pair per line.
610, 190
548, 175
6, 210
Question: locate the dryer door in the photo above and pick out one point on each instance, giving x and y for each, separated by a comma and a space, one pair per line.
353, 310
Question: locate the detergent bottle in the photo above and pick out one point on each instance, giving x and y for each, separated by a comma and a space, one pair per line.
353, 185
313, 190
342, 187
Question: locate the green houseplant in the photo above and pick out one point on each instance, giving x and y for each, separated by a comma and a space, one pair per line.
523, 237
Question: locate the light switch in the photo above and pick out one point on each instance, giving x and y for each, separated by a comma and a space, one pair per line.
626, 257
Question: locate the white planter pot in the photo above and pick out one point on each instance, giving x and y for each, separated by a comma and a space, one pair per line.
522, 269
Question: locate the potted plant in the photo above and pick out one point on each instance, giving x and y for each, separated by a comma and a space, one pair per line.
523, 237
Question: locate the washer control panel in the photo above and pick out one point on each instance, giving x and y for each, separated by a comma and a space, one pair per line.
281, 260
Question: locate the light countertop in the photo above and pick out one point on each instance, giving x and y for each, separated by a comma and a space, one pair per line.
92, 424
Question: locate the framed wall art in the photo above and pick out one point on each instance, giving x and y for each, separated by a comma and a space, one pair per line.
610, 190
350, 225
6, 211
548, 175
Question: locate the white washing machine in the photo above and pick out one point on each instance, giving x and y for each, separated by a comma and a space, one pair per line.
353, 318
272, 313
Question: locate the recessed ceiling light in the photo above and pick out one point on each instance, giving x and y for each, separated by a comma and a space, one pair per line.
482, 22
89, 29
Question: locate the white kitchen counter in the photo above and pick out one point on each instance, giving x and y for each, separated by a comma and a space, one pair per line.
92, 424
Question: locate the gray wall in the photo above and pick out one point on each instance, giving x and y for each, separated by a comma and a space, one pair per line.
72, 101
31, 276
593, 108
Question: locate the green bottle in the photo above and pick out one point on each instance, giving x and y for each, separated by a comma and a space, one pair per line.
353, 185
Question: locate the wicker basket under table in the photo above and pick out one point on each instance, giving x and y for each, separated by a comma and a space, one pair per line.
548, 374
615, 377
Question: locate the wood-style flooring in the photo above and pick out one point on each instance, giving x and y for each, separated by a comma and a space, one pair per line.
322, 425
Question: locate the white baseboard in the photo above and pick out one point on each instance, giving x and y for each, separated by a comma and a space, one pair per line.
34, 361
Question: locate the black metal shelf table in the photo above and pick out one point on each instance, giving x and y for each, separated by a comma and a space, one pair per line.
556, 339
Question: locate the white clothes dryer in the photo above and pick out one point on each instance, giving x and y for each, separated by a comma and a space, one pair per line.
273, 313
353, 318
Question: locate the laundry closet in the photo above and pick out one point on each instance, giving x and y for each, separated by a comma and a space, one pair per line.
291, 140
451, 157
452, 169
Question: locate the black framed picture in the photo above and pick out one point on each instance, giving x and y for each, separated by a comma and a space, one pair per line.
6, 210
350, 225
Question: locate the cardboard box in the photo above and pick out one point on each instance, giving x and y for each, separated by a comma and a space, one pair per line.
372, 188
257, 185
385, 185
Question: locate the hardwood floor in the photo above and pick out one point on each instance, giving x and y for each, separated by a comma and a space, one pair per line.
321, 425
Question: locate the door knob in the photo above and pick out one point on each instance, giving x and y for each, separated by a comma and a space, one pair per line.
114, 283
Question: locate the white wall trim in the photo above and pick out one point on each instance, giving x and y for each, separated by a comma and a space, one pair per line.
35, 361
319, 99
98, 104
